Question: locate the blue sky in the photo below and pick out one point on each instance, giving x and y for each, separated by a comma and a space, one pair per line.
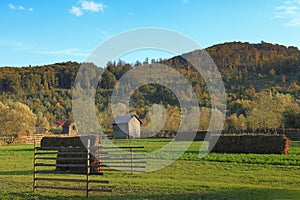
45, 32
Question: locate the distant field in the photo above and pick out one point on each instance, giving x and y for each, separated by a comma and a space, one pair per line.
217, 176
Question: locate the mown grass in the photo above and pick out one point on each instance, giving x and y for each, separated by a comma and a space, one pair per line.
192, 154
217, 176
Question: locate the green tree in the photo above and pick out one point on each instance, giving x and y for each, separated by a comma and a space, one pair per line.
291, 117
173, 118
105, 119
108, 80
267, 109
16, 117
204, 118
155, 120
42, 121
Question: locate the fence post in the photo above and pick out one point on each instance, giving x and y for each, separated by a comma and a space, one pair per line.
100, 158
34, 166
131, 159
298, 134
88, 167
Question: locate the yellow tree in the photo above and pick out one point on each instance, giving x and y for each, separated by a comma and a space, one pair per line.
267, 109
15, 117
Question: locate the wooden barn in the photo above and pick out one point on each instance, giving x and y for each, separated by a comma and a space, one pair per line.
69, 128
126, 126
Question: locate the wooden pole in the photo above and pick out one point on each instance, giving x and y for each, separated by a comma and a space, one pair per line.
298, 136
100, 158
88, 167
131, 159
34, 165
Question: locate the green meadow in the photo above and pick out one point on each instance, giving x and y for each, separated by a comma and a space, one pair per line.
216, 176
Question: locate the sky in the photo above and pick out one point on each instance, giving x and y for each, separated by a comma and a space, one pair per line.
45, 32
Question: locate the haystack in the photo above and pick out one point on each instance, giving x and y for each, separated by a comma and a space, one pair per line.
72, 151
259, 143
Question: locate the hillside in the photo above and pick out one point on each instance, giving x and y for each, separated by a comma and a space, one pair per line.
258, 66
246, 69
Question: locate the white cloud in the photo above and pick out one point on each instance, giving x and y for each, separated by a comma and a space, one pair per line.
185, 1
295, 1
294, 22
34, 48
285, 10
88, 6
19, 7
11, 6
290, 12
76, 11
104, 34
67, 52
92, 6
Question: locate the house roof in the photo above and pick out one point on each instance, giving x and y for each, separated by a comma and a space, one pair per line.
59, 122
124, 119
67, 124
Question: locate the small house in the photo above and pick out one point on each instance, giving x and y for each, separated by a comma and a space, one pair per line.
126, 126
69, 128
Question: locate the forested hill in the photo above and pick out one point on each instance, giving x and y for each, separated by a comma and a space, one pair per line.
249, 68
259, 66
246, 69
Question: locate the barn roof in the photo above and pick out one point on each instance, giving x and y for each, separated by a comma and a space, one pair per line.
59, 122
124, 119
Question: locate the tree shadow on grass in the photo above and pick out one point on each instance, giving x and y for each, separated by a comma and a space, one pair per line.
36, 196
24, 172
235, 193
16, 148
231, 193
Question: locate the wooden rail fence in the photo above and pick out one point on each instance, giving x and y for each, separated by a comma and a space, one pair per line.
124, 158
48, 154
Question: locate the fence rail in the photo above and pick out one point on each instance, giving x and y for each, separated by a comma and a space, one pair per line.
38, 155
124, 158
58, 157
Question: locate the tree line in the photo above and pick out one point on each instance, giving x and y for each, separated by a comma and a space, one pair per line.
261, 80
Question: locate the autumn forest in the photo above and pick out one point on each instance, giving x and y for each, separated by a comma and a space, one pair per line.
261, 81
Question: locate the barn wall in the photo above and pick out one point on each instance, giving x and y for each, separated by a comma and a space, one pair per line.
134, 128
72, 129
120, 131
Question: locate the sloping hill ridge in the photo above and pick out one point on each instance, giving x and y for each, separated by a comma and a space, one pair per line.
257, 67
245, 68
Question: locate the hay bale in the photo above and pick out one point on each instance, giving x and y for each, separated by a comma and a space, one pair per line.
65, 156
63, 141
187, 136
67, 149
260, 143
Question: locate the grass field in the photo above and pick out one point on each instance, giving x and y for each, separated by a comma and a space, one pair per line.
217, 176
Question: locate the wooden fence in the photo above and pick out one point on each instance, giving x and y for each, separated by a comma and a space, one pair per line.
124, 158
292, 134
72, 157
48, 154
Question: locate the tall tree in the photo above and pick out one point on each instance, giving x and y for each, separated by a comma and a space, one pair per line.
267, 109
16, 118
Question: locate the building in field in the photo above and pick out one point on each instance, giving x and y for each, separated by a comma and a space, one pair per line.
69, 128
126, 126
